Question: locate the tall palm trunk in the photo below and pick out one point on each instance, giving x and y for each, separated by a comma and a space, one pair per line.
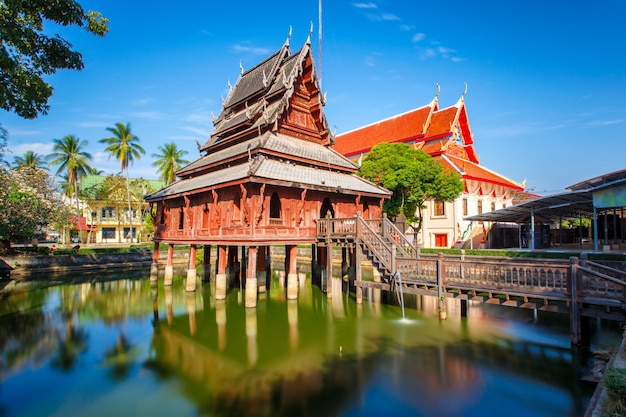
80, 224
130, 210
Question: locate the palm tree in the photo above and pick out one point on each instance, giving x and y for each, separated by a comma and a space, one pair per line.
30, 160
169, 161
68, 152
124, 146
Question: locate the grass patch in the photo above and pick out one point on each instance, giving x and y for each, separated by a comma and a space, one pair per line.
615, 384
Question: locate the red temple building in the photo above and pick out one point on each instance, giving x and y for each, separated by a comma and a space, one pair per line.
444, 134
264, 177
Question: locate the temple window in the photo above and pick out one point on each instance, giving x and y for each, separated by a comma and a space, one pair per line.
275, 209
465, 206
205, 218
236, 208
480, 207
493, 206
181, 218
107, 213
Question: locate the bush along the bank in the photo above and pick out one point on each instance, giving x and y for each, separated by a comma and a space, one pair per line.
615, 383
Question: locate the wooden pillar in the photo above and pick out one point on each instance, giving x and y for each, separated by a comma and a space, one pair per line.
206, 264
357, 273
154, 266
344, 261
251, 280
220, 277
169, 268
190, 285
292, 272
441, 297
575, 322
261, 268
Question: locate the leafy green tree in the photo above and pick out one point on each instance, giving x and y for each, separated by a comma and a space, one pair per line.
28, 54
124, 146
169, 160
28, 202
29, 160
70, 155
413, 176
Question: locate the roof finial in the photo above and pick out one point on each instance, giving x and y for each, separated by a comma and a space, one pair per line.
241, 66
230, 87
289, 36
310, 33
464, 92
438, 90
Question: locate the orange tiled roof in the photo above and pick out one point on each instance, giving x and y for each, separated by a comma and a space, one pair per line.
442, 122
472, 171
405, 127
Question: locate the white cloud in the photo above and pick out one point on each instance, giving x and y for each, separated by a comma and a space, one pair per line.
604, 122
250, 49
142, 101
390, 17
198, 131
365, 5
39, 148
418, 37
150, 115
406, 28
202, 117
21, 132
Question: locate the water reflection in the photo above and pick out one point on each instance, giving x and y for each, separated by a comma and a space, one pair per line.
129, 347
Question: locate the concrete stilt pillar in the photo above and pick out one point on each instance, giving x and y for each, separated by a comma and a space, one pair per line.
154, 266
190, 285
292, 272
251, 280
169, 268
220, 277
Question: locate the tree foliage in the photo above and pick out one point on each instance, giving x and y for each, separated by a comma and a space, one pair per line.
413, 176
125, 147
28, 202
30, 159
169, 160
28, 54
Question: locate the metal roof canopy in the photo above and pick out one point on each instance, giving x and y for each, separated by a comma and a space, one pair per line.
548, 209
578, 202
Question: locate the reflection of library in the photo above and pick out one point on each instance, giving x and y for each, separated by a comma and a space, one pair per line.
589, 216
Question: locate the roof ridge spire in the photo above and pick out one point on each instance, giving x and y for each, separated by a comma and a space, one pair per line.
289, 36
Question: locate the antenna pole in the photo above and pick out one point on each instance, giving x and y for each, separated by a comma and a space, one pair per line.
319, 46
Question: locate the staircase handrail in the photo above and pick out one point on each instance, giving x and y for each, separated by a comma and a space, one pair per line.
403, 244
365, 229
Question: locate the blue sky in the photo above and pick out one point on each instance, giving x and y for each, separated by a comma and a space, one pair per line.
546, 80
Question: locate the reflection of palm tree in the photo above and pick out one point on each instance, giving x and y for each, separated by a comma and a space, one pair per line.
124, 146
120, 357
74, 343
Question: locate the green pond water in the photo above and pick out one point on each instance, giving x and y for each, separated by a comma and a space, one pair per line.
112, 346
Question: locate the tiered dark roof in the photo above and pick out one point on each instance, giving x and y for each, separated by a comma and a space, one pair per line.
272, 129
